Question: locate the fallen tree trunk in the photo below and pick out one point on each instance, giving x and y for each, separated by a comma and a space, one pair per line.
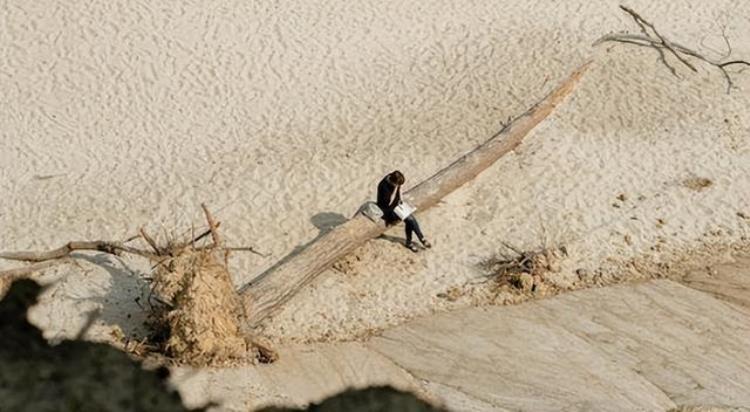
265, 294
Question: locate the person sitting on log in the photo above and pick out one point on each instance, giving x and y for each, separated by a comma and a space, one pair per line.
389, 198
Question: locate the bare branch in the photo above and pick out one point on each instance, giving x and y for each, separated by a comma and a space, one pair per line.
661, 43
212, 226
150, 241
247, 249
727, 45
511, 247
641, 21
734, 62
642, 24
204, 234
113, 248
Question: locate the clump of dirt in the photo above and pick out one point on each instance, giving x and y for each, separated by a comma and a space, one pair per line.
348, 264
513, 275
697, 183
452, 294
201, 315
523, 270
198, 316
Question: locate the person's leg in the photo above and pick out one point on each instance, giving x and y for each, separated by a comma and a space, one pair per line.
412, 222
409, 227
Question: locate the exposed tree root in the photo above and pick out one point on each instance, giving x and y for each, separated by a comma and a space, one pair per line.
197, 317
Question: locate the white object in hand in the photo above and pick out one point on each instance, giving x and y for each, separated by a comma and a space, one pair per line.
404, 210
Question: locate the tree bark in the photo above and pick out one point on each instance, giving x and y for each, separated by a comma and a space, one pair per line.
269, 291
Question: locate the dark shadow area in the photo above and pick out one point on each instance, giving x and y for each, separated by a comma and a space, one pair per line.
324, 222
393, 239
373, 399
73, 375
327, 221
126, 303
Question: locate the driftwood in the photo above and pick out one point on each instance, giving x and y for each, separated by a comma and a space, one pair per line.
113, 248
45, 260
269, 291
651, 38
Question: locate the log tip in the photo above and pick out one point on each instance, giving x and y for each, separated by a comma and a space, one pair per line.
567, 86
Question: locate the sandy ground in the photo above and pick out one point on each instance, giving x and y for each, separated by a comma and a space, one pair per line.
283, 117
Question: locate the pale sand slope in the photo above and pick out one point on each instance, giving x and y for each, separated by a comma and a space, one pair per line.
651, 346
284, 116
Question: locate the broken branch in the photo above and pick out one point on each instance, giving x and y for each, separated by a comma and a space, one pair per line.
660, 43
113, 248
212, 226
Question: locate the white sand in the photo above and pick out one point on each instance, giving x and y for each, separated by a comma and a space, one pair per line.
284, 116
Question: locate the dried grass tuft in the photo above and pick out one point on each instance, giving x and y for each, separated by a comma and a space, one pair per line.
522, 269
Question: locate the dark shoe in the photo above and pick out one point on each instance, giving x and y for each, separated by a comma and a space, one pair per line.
411, 246
426, 243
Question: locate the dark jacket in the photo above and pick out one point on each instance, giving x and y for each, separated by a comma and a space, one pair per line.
385, 191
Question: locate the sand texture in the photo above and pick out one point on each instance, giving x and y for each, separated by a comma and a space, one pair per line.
283, 117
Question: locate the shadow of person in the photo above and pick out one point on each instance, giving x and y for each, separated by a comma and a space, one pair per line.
125, 303
327, 221
392, 239
324, 222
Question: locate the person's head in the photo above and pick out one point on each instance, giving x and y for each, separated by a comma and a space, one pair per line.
396, 178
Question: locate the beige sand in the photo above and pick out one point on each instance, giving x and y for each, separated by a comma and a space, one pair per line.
284, 116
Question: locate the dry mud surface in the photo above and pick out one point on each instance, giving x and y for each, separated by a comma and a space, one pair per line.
650, 346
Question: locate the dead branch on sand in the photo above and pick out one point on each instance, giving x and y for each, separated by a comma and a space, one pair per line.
522, 269
113, 248
650, 37
47, 259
